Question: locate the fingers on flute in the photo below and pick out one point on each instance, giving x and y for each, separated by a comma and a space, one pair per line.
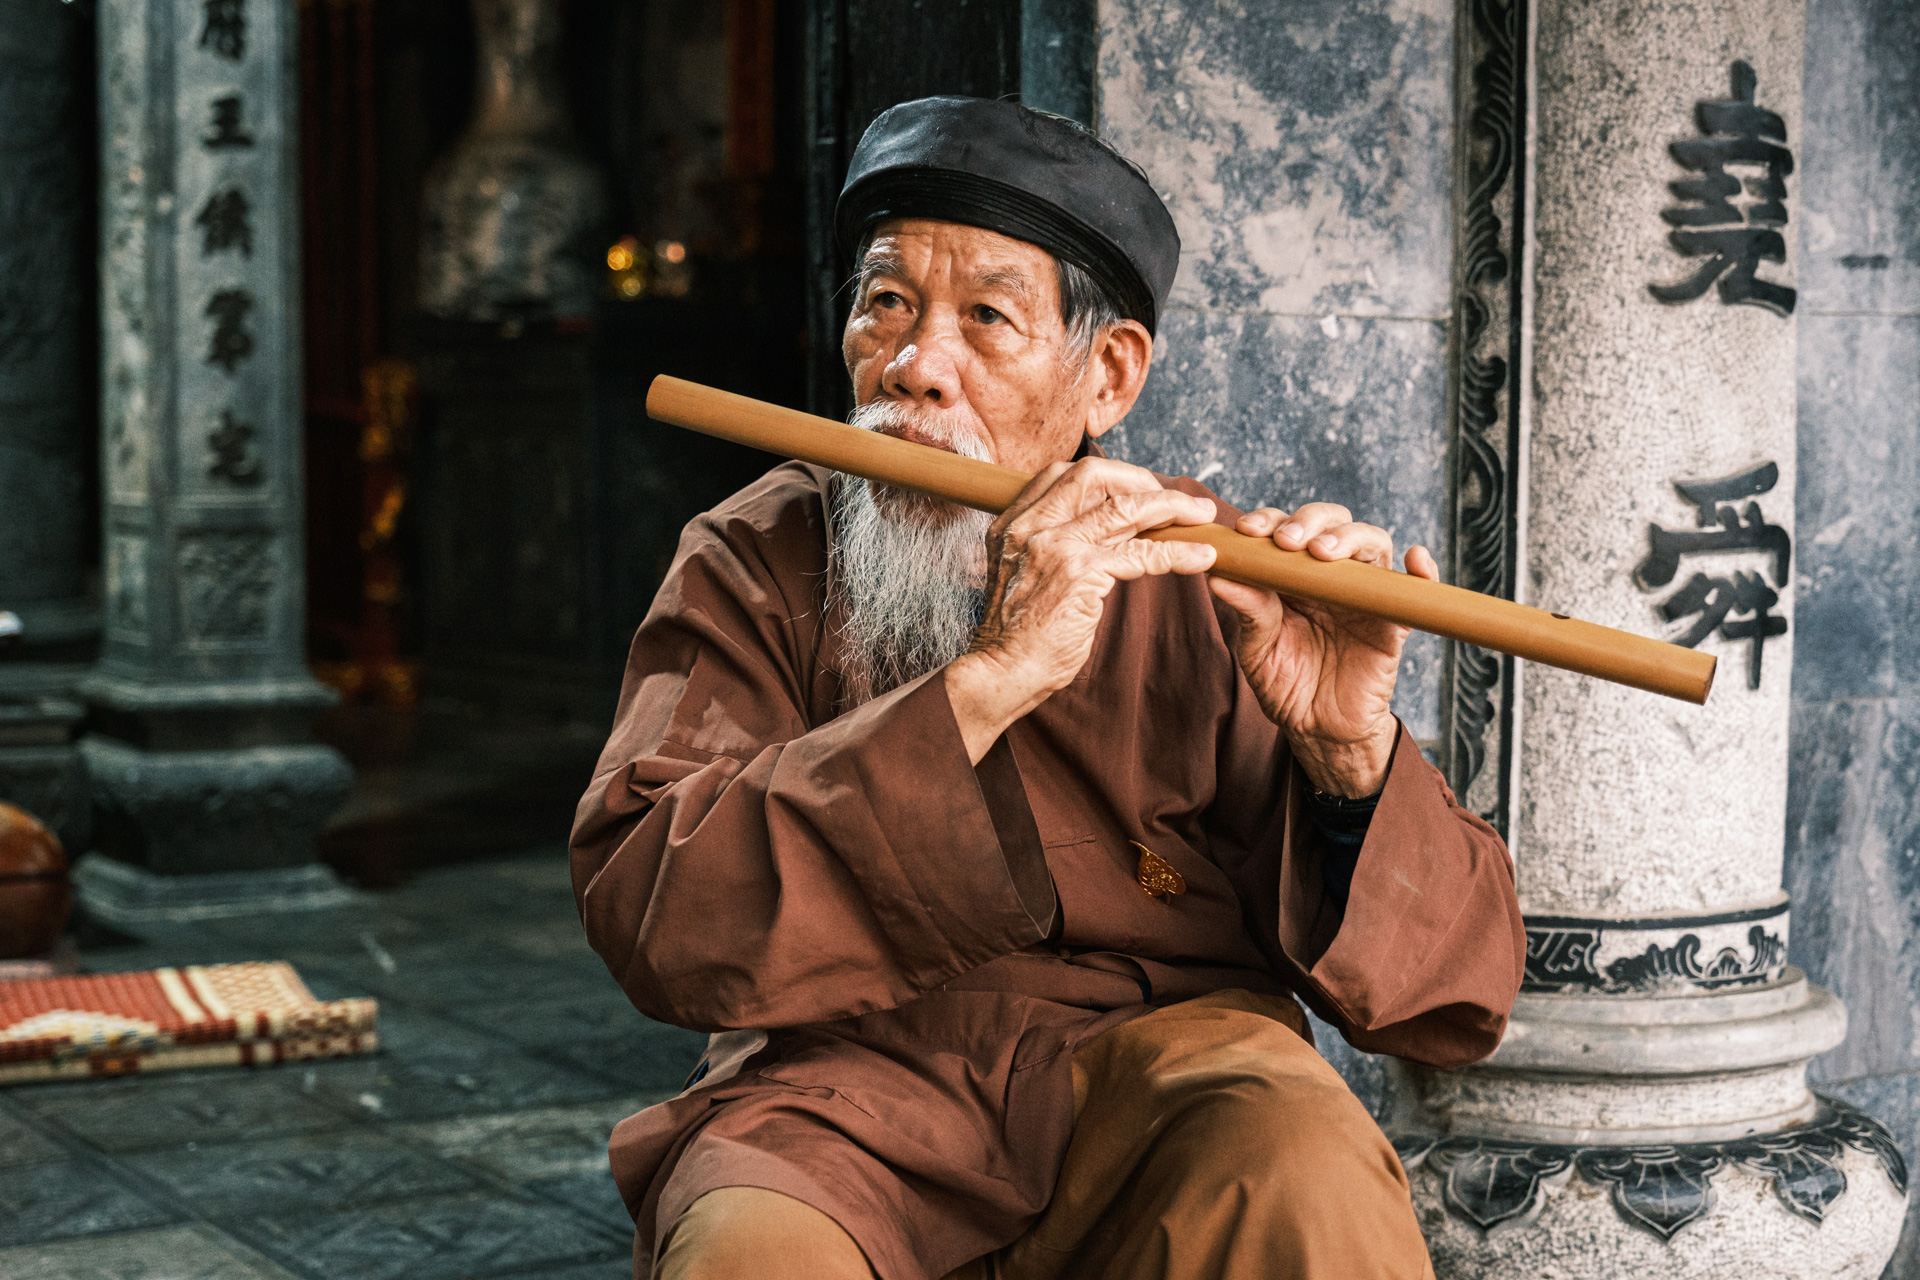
1127, 514
1296, 531
1105, 501
1369, 544
1141, 559
1421, 564
1260, 523
1043, 483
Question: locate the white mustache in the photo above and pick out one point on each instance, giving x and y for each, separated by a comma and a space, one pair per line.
944, 427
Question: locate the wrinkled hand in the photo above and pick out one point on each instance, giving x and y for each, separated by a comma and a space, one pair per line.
1324, 674
1052, 558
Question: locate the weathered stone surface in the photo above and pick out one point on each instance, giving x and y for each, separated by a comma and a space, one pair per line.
1631, 395
1747, 1231
1283, 410
1661, 1069
1859, 456
1853, 828
169, 1253
403, 1163
201, 453
194, 812
1860, 158
1305, 153
1306, 162
201, 402
1631, 808
1896, 1101
1855, 825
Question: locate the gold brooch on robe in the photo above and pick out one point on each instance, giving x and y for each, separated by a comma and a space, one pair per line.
1156, 875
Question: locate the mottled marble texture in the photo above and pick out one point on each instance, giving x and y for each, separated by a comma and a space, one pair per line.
1284, 410
1859, 450
1305, 151
1853, 844
1305, 155
1859, 155
1853, 834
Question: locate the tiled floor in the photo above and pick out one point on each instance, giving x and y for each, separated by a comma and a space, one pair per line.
473, 1144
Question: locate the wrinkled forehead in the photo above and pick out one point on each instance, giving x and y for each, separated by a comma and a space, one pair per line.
919, 247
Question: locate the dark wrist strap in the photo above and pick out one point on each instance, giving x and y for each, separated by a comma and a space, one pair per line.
1341, 824
1343, 809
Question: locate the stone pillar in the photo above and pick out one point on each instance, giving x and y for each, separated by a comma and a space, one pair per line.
45, 547
1302, 354
1647, 1113
208, 789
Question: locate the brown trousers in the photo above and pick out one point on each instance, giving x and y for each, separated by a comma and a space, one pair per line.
1210, 1142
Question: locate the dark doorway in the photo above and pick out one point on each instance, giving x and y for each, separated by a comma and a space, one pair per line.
868, 55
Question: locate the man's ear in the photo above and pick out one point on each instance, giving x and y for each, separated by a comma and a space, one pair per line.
1118, 363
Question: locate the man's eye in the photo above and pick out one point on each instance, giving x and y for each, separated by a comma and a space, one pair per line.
987, 315
888, 300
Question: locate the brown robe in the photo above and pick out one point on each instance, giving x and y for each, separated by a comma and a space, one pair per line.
903, 949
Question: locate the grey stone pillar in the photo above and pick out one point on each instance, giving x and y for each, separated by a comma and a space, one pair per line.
208, 789
1647, 1113
44, 417
1302, 354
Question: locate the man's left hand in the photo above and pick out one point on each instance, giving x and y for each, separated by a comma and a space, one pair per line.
1324, 674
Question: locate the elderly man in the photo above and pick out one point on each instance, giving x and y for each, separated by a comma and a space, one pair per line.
995, 855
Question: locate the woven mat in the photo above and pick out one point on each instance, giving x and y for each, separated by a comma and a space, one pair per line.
116, 1024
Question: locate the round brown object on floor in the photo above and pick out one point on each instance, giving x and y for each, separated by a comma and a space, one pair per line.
34, 892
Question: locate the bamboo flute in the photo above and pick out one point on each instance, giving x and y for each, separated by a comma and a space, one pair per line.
1467, 616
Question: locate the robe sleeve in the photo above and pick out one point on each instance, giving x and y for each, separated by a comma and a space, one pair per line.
1427, 956
739, 867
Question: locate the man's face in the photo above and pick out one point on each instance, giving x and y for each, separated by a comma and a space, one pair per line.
963, 326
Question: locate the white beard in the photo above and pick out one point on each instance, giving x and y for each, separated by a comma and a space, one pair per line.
906, 572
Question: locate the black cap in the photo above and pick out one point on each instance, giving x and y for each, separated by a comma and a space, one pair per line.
1022, 173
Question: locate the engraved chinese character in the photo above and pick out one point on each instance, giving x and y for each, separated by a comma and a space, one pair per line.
225, 31
1733, 239
233, 453
231, 342
225, 223
1721, 528
1713, 599
229, 125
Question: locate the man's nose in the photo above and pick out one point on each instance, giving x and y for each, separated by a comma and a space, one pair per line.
924, 373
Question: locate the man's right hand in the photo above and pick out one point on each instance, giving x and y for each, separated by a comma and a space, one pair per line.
1052, 557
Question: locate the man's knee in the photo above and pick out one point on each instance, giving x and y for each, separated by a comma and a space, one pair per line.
1307, 1139
748, 1231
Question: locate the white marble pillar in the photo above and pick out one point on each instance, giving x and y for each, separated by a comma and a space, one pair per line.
208, 789
1647, 1113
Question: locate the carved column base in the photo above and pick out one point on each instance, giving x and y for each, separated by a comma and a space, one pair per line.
208, 796
1651, 1136
194, 812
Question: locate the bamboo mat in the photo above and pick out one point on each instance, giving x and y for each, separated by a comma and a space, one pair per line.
116, 1024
